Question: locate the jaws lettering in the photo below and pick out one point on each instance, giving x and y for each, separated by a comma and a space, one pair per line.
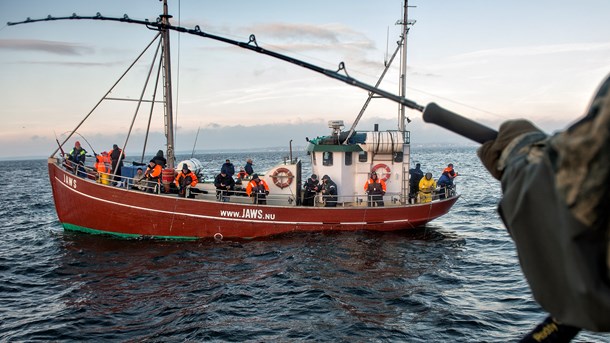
70, 181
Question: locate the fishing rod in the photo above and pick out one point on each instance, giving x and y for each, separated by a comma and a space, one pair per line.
81, 136
195, 144
432, 113
63, 154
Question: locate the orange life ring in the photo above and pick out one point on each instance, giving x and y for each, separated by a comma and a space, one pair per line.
281, 174
385, 175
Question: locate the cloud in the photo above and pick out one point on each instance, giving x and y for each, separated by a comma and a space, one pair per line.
307, 37
525, 51
305, 32
52, 47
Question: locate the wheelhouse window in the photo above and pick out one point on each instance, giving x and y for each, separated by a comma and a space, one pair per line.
327, 158
363, 156
348, 158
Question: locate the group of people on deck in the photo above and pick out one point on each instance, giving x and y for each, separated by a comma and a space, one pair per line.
422, 186
149, 179
328, 188
108, 162
226, 184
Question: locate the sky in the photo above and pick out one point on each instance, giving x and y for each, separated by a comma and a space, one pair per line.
490, 61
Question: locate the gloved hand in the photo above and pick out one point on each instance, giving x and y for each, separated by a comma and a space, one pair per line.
489, 153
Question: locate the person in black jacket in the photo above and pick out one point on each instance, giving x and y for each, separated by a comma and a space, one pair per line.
224, 186
77, 157
117, 156
329, 189
311, 187
159, 159
415, 175
228, 168
248, 167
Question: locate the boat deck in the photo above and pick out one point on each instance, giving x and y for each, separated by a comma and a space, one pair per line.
206, 191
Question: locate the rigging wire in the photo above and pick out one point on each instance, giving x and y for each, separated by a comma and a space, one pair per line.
135, 115
152, 107
109, 91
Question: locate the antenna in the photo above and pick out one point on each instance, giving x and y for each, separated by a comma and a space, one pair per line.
387, 39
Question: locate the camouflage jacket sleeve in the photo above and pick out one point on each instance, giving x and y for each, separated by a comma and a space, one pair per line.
556, 206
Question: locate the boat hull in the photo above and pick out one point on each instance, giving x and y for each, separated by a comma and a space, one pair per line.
88, 206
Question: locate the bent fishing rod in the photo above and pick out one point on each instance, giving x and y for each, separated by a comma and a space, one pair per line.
431, 113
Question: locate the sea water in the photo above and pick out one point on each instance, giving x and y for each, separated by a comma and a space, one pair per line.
456, 280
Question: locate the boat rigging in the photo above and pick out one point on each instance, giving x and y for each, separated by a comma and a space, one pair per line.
432, 114
204, 211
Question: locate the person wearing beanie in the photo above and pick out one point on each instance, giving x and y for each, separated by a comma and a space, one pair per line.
77, 157
329, 190
117, 156
228, 168
258, 189
184, 180
311, 187
159, 159
427, 185
375, 188
224, 186
248, 167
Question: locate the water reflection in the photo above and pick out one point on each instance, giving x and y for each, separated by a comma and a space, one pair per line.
124, 286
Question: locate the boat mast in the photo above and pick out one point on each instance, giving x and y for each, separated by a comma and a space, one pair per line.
167, 70
401, 107
403, 66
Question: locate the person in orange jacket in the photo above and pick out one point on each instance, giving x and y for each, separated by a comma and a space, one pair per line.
445, 182
106, 159
153, 176
375, 188
100, 167
186, 178
258, 189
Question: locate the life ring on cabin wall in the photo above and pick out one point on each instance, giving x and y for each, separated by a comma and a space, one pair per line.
282, 177
386, 171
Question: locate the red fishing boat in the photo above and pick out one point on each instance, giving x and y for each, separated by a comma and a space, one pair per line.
86, 201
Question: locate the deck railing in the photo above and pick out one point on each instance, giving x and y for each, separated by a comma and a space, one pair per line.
239, 195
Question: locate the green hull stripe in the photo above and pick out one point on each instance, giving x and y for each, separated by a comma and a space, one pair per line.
71, 227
